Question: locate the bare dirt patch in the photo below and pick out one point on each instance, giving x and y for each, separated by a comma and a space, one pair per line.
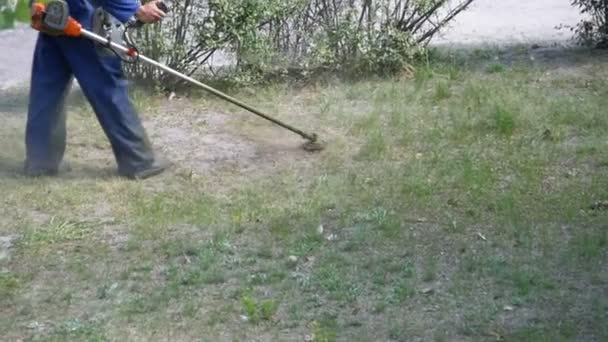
196, 141
200, 141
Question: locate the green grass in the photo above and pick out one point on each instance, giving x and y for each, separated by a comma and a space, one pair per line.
256, 310
8, 17
495, 68
9, 285
56, 232
325, 331
457, 205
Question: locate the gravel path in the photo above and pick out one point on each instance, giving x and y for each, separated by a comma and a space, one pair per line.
486, 22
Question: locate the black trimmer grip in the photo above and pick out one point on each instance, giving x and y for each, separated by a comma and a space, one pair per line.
163, 7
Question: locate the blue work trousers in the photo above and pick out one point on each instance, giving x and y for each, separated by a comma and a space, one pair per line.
57, 60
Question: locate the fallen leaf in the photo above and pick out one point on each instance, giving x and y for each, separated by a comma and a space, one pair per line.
428, 290
495, 334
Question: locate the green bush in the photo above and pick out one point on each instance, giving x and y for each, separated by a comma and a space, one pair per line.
593, 31
7, 15
12, 11
279, 36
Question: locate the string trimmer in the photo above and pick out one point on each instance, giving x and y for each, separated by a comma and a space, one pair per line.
53, 18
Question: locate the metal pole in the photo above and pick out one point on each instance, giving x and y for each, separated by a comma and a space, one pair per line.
92, 36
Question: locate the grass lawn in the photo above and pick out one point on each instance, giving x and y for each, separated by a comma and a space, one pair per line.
467, 202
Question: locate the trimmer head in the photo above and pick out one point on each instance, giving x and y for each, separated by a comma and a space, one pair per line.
313, 145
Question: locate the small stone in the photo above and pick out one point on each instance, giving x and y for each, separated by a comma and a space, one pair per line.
571, 173
33, 325
332, 237
320, 229
293, 259
6, 244
600, 205
508, 308
244, 318
309, 338
7, 241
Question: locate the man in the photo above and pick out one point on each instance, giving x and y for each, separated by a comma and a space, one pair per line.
56, 61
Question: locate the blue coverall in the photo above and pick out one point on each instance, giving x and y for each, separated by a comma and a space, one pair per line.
56, 61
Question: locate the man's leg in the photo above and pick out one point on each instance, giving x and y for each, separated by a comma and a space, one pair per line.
103, 83
45, 130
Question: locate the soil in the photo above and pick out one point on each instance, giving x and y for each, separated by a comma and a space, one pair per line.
196, 140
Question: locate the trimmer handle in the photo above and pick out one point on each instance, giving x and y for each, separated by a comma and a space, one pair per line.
162, 6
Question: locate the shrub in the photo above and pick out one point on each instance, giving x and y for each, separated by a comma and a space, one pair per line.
593, 31
269, 36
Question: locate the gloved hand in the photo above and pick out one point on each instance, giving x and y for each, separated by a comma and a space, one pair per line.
151, 12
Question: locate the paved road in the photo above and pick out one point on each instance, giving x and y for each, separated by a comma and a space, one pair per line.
487, 21
512, 21
16, 47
